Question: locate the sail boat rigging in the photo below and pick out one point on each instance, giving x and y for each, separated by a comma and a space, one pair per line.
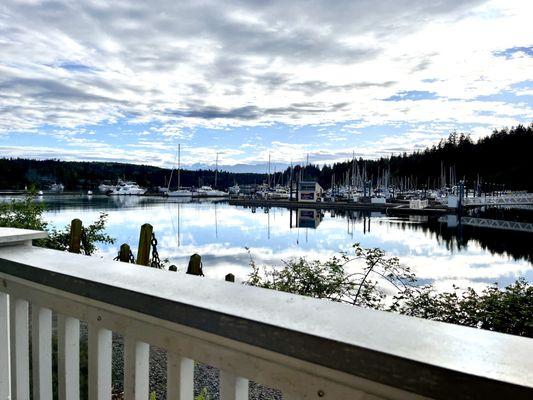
179, 192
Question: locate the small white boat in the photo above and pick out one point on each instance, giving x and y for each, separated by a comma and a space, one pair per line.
89, 192
57, 187
40, 192
235, 189
278, 193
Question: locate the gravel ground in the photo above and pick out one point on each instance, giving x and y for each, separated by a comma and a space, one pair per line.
204, 375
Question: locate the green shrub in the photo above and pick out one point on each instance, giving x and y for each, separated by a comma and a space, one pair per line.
369, 279
27, 214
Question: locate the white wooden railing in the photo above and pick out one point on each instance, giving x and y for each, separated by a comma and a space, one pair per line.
307, 348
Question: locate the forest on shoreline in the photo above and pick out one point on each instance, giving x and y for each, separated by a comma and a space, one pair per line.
502, 160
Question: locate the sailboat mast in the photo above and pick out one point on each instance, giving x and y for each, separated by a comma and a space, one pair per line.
179, 166
216, 170
171, 171
269, 170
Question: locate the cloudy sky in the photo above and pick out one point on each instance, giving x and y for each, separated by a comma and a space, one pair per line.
128, 81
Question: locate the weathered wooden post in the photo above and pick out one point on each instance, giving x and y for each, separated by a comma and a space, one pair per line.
195, 265
75, 236
145, 240
124, 254
230, 278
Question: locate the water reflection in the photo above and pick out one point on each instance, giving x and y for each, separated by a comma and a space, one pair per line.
436, 250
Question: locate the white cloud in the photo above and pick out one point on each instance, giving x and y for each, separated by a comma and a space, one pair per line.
186, 65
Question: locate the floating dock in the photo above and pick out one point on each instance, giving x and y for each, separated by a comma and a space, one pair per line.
388, 208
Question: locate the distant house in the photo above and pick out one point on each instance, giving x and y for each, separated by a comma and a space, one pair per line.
309, 191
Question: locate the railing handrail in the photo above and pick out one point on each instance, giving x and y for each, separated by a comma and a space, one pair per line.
426, 357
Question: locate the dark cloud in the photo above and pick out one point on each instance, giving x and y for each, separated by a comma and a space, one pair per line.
49, 90
248, 113
313, 87
214, 112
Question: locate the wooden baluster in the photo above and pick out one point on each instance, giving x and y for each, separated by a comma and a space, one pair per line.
233, 387
136, 369
20, 355
100, 341
4, 347
68, 341
180, 377
41, 332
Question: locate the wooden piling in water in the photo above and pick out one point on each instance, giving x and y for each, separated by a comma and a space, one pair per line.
195, 265
75, 236
124, 254
145, 240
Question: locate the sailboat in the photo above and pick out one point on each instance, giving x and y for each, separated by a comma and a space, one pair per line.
208, 191
179, 192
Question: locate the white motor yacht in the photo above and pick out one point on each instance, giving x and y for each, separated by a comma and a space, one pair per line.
106, 188
128, 188
208, 191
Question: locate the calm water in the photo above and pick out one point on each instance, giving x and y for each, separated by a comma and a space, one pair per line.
220, 233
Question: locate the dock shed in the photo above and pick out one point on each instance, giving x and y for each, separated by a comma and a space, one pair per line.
309, 191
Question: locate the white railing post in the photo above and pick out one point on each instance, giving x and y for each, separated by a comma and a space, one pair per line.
136, 369
20, 355
4, 348
68, 343
233, 387
41, 333
100, 341
180, 377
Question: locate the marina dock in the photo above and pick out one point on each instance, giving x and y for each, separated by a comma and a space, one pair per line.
388, 208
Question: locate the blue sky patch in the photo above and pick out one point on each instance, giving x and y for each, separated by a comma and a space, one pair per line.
413, 95
508, 53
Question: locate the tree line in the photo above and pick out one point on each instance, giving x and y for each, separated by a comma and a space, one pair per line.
502, 160
18, 173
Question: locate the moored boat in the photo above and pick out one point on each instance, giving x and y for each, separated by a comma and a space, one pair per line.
179, 193
128, 188
208, 191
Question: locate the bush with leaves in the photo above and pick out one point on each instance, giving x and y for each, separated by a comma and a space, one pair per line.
27, 214
366, 277
91, 234
23, 214
507, 310
362, 277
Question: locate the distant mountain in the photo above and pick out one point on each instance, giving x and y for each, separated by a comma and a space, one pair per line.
240, 168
